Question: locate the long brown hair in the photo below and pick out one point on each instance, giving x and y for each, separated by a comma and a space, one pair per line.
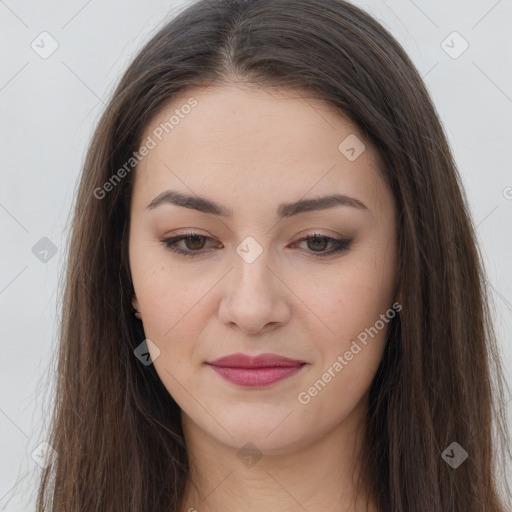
115, 427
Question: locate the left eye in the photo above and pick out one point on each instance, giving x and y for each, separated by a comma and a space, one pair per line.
194, 244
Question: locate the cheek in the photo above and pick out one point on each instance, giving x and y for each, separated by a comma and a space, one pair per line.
347, 361
348, 299
331, 396
172, 311
354, 306
174, 320
171, 297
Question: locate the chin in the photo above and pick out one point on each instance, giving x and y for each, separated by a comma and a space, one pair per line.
262, 437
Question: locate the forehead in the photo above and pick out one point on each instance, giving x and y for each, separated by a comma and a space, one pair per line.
229, 138
251, 116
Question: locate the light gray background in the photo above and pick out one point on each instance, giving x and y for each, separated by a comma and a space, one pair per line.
50, 106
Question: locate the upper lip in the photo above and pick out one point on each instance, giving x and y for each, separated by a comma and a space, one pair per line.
261, 361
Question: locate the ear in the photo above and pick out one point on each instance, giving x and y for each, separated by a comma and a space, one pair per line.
135, 302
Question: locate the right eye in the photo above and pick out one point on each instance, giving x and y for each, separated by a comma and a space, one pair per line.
192, 241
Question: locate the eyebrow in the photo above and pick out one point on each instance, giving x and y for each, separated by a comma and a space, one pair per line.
208, 206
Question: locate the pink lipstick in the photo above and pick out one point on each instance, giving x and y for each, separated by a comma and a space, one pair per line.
262, 370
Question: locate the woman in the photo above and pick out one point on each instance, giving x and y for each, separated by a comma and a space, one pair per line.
259, 370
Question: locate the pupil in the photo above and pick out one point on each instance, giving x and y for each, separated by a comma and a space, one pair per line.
317, 239
195, 239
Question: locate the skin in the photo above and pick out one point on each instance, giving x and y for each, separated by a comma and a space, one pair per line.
251, 150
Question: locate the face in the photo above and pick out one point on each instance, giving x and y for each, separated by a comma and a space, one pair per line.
256, 274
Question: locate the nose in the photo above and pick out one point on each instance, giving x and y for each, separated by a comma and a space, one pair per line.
255, 298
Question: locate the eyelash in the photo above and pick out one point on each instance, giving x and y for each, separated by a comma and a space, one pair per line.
340, 244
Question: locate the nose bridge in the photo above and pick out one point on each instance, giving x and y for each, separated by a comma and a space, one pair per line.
252, 273
253, 297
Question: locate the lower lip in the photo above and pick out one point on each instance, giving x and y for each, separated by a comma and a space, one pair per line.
256, 377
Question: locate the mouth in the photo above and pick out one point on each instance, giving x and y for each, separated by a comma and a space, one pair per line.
259, 371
